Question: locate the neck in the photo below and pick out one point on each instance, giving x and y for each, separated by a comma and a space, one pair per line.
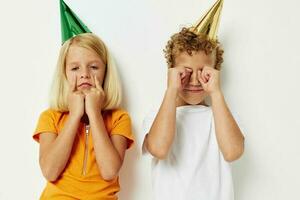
85, 119
180, 102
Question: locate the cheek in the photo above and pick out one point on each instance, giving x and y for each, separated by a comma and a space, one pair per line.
71, 76
100, 77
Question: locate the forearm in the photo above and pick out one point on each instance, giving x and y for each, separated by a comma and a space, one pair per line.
107, 157
161, 134
55, 159
229, 136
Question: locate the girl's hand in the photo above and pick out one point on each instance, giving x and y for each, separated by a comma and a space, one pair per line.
94, 99
209, 79
75, 100
178, 77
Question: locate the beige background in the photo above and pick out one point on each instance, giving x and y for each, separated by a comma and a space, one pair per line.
260, 81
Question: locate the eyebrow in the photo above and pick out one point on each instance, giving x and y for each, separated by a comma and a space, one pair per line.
93, 61
96, 61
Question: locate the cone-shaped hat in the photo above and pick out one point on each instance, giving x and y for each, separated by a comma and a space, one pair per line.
208, 24
71, 25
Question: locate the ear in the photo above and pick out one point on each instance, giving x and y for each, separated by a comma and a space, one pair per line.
218, 57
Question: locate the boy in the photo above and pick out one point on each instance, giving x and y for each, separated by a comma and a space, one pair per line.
192, 143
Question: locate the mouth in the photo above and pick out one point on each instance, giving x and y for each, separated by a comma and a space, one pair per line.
193, 90
85, 85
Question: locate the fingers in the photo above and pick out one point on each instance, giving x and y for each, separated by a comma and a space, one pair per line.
182, 69
188, 71
204, 76
185, 72
206, 73
186, 75
80, 93
97, 82
73, 84
182, 74
200, 78
185, 81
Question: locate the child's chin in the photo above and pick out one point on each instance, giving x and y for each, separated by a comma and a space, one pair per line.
193, 99
85, 89
193, 102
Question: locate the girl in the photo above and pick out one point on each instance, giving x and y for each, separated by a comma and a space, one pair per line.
84, 134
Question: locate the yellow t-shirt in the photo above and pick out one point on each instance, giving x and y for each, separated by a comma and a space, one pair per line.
72, 184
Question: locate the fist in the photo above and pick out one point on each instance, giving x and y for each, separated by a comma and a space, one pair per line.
209, 79
94, 98
178, 77
75, 100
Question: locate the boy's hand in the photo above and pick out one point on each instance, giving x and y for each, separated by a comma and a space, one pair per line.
94, 99
178, 77
209, 79
75, 100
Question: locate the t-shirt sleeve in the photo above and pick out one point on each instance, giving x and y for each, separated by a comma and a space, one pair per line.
122, 126
46, 123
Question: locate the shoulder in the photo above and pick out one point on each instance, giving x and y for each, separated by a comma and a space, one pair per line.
116, 115
51, 111
51, 114
119, 113
48, 122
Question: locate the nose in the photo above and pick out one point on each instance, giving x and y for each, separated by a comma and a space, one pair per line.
194, 79
84, 73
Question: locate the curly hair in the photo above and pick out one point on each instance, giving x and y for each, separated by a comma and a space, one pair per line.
187, 41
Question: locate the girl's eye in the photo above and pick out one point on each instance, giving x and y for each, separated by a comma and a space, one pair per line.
94, 67
74, 68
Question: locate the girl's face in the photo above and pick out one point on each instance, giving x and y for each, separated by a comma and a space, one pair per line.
83, 65
193, 92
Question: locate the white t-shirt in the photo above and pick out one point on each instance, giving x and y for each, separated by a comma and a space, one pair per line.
194, 168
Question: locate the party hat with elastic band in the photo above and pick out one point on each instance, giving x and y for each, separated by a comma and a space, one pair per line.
208, 24
71, 25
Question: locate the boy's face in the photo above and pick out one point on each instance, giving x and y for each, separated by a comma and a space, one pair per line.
192, 92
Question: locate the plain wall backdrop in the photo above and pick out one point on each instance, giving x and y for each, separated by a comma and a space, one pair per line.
260, 80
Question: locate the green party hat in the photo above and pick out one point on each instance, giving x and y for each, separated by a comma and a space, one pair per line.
71, 25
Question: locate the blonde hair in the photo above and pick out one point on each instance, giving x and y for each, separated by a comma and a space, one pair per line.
111, 84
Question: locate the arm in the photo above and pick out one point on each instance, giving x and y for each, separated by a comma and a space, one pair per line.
55, 150
109, 152
229, 136
161, 135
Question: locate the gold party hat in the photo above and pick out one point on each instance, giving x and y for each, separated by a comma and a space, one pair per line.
208, 24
